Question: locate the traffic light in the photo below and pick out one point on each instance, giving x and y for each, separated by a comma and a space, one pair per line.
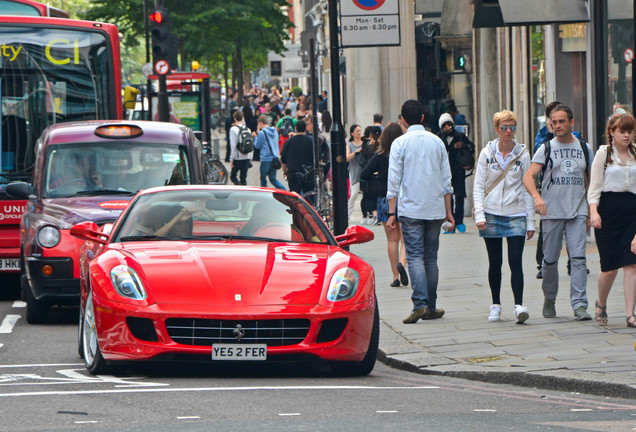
164, 43
460, 62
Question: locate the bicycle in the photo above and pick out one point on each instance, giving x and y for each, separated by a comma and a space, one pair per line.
319, 198
215, 171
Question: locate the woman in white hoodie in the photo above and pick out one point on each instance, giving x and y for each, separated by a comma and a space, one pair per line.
503, 208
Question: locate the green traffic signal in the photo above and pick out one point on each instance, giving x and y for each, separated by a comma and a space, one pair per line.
460, 62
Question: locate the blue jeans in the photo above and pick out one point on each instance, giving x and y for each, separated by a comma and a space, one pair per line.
421, 240
266, 170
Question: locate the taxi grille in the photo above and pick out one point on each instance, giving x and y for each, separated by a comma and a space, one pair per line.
205, 332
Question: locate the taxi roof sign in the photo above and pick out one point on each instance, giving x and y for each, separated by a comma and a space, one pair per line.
118, 131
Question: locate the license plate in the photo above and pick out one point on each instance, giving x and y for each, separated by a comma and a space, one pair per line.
9, 264
239, 352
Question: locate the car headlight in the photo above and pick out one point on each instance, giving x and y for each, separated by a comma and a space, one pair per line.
343, 285
48, 236
127, 283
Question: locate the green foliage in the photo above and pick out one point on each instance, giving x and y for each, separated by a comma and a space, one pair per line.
296, 91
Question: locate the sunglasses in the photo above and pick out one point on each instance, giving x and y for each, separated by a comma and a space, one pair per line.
504, 128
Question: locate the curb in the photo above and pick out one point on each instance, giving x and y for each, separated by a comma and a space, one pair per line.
578, 382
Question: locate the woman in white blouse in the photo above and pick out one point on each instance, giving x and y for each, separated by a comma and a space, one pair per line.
612, 200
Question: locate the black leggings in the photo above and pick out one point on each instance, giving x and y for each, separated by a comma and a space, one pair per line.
495, 260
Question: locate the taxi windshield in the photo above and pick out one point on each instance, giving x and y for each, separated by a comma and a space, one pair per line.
212, 215
112, 168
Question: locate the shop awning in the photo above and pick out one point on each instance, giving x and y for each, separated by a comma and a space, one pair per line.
500, 13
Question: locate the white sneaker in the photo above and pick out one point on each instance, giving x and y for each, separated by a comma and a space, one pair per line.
521, 313
495, 312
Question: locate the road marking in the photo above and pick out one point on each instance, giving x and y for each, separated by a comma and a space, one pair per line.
579, 409
86, 422
485, 410
387, 412
8, 323
288, 414
19, 304
40, 365
188, 417
209, 389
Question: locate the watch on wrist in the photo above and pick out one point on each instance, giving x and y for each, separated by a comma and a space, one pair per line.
390, 214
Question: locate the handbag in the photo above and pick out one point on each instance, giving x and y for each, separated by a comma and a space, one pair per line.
276, 163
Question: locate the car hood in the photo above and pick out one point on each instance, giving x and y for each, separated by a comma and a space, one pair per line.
235, 272
66, 212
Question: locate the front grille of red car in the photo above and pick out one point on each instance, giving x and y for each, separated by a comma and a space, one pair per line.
205, 332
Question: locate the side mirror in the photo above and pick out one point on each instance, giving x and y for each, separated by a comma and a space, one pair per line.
20, 190
89, 231
353, 235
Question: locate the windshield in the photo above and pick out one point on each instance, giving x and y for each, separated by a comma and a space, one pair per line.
200, 214
112, 167
47, 76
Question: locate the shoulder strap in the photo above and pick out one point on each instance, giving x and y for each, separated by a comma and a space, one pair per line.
269, 143
503, 173
548, 157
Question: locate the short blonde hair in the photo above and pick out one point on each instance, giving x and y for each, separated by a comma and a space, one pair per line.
502, 116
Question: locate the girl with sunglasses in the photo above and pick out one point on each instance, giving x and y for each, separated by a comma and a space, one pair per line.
504, 209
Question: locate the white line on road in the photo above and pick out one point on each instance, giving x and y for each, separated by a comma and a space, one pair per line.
86, 422
40, 365
8, 323
210, 389
387, 412
579, 409
188, 417
288, 414
19, 304
485, 410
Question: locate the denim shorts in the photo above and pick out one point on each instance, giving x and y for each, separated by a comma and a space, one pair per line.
383, 209
503, 226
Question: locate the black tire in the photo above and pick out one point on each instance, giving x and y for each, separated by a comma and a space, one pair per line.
80, 330
93, 359
37, 311
367, 364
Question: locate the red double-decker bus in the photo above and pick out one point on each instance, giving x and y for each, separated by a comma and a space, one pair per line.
52, 70
30, 8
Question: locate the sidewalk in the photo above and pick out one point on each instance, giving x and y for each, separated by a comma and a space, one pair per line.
556, 353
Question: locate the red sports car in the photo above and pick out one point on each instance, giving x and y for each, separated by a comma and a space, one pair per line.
225, 274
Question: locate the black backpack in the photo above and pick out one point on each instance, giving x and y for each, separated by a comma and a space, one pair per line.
245, 142
548, 160
287, 126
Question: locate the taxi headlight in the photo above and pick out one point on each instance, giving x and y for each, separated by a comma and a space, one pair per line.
48, 236
127, 283
343, 285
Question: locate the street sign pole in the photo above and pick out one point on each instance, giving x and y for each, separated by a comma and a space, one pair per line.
162, 100
338, 158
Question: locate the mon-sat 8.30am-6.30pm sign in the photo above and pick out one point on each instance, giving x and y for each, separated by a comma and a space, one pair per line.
369, 23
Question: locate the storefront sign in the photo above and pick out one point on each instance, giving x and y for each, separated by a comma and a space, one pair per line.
366, 23
573, 37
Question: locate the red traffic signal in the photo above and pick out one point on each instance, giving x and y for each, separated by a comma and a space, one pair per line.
157, 17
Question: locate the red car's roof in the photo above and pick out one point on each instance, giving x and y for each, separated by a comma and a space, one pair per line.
84, 131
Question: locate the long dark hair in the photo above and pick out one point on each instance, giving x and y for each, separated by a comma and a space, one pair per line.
389, 134
326, 120
351, 129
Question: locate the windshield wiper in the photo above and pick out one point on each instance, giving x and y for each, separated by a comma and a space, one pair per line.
105, 192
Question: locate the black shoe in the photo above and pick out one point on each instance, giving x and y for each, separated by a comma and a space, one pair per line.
540, 274
404, 278
395, 283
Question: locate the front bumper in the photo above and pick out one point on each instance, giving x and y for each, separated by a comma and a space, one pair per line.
149, 338
58, 288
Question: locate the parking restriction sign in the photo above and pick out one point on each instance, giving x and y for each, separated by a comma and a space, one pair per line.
369, 23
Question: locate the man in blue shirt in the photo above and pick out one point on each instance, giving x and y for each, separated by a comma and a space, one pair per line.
420, 175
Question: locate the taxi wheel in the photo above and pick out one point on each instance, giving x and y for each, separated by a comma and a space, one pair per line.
367, 364
37, 312
93, 359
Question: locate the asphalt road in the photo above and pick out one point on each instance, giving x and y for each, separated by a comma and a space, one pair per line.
44, 387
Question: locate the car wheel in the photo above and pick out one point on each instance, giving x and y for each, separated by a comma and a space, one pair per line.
367, 364
37, 311
93, 359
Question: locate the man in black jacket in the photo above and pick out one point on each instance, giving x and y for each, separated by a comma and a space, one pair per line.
458, 147
297, 158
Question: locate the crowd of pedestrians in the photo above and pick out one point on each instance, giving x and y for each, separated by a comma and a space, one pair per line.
413, 183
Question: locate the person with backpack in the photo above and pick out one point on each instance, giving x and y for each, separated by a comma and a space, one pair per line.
286, 127
612, 198
544, 135
461, 155
504, 209
242, 146
563, 208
